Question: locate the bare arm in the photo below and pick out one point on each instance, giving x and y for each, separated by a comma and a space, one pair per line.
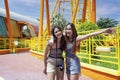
48, 47
45, 59
45, 55
80, 38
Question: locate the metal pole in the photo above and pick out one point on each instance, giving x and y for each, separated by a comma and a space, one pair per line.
48, 17
9, 25
74, 14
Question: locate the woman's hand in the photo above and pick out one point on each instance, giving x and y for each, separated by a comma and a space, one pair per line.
44, 71
109, 30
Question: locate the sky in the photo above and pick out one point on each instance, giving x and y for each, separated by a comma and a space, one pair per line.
31, 8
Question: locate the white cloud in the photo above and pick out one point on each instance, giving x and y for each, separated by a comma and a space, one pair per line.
30, 2
27, 2
106, 10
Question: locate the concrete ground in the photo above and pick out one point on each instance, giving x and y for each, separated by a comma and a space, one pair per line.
23, 66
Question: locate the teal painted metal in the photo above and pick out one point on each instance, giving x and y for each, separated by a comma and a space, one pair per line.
3, 29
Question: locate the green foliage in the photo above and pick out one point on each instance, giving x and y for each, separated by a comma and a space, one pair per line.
87, 26
25, 33
106, 22
58, 20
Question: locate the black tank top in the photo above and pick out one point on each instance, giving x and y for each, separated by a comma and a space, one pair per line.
55, 54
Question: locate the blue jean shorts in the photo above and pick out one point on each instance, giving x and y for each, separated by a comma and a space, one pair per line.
73, 65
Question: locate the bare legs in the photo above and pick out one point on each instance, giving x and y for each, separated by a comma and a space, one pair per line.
59, 75
51, 75
73, 76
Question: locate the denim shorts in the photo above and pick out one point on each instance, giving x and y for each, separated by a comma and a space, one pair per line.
73, 65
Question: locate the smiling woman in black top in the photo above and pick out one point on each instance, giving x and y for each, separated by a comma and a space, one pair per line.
53, 60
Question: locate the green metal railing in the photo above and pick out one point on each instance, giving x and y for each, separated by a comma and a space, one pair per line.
16, 43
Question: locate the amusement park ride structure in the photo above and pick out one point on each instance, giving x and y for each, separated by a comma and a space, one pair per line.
78, 9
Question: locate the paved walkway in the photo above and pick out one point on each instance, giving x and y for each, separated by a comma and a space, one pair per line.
23, 66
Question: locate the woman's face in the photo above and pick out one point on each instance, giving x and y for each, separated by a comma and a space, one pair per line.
57, 33
68, 31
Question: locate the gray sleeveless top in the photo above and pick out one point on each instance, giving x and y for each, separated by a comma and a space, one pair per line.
69, 50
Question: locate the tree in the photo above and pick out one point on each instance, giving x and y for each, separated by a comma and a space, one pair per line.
106, 22
58, 20
87, 26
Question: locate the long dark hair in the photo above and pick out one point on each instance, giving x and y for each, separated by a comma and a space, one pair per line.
74, 36
63, 42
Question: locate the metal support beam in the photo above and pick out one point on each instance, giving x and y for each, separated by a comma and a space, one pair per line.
57, 4
84, 11
75, 12
48, 17
89, 11
94, 11
8, 18
9, 25
41, 19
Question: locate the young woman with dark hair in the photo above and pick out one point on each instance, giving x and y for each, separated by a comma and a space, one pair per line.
53, 60
73, 68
